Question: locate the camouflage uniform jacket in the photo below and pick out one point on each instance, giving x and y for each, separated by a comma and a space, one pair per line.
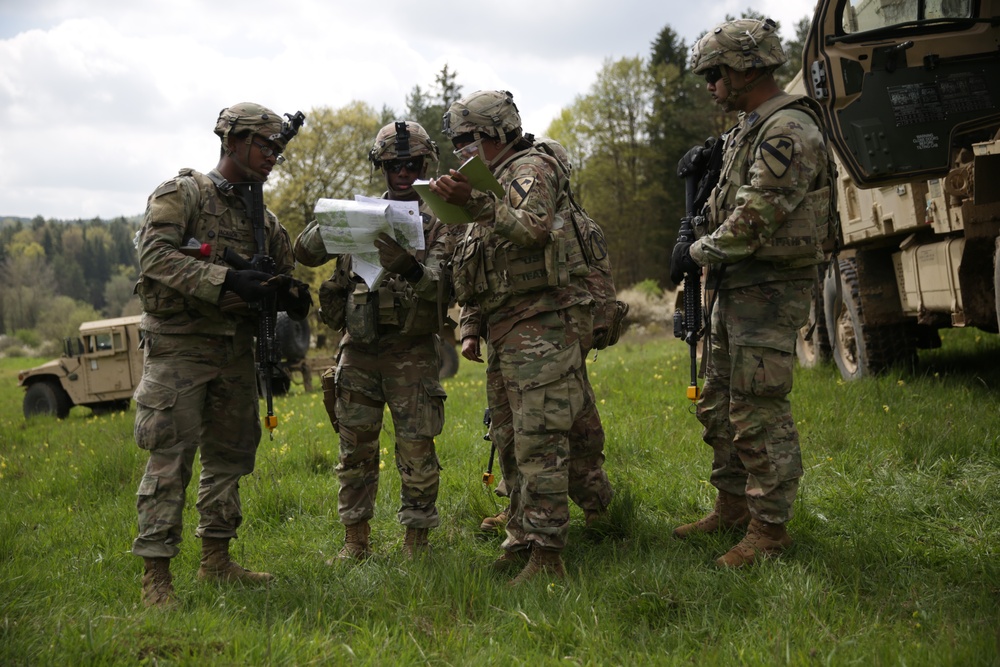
768, 215
434, 286
180, 293
535, 204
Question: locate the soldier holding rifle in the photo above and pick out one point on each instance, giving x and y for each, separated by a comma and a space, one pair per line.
198, 391
761, 239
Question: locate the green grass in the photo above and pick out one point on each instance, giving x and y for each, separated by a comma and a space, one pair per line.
897, 533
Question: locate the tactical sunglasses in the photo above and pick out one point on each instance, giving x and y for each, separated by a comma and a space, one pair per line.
712, 75
412, 165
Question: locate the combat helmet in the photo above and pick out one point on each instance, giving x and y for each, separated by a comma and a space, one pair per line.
401, 140
741, 45
490, 113
250, 117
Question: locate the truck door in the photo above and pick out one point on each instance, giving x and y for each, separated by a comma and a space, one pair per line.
107, 365
901, 80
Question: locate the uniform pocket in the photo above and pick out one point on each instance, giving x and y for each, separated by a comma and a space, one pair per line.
432, 396
154, 419
553, 395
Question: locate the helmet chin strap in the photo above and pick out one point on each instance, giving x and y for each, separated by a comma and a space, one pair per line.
734, 94
500, 156
244, 164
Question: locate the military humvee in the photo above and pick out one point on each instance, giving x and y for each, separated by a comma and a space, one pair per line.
911, 96
99, 370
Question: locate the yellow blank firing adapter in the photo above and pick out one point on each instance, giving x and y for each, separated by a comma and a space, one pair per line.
693, 392
488, 478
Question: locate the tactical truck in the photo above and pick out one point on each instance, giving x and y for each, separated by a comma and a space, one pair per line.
910, 91
98, 369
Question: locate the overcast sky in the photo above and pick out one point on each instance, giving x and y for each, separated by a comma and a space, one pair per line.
101, 100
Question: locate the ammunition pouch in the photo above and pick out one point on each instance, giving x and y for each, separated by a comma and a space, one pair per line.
526, 270
333, 304
361, 314
158, 299
400, 306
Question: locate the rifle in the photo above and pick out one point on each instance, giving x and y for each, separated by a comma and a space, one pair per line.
267, 309
700, 170
488, 475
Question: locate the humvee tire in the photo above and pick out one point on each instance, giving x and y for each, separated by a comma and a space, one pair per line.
46, 397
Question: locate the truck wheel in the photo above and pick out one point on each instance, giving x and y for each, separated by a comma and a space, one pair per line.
812, 346
293, 337
860, 349
448, 356
46, 398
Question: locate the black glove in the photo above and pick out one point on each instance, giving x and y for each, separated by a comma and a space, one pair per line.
696, 159
294, 298
249, 285
681, 262
395, 259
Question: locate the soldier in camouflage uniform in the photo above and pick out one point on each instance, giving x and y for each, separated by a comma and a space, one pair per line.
198, 389
766, 221
589, 487
536, 315
389, 355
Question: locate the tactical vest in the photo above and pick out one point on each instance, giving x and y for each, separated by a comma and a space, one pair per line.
489, 269
394, 306
799, 241
212, 222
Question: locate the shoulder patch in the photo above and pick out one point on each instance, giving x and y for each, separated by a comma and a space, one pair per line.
165, 188
518, 190
777, 153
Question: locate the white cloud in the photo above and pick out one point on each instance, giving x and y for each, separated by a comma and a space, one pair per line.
103, 99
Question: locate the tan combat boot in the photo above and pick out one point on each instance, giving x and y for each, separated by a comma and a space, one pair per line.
511, 561
492, 524
730, 512
415, 542
762, 540
355, 543
217, 566
542, 562
157, 584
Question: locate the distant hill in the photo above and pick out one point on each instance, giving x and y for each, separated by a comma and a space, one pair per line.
8, 220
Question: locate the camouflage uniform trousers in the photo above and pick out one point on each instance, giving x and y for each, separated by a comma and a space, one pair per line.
744, 406
401, 372
538, 394
196, 393
589, 486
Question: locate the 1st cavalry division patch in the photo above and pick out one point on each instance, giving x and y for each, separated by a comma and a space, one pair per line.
777, 153
519, 189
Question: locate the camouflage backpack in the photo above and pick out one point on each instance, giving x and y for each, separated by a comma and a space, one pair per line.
609, 312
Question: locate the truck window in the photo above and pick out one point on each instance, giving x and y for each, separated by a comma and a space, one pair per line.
99, 342
862, 15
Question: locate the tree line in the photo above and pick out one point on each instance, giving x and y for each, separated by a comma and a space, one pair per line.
624, 137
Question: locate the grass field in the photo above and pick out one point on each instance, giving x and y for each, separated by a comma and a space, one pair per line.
897, 533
